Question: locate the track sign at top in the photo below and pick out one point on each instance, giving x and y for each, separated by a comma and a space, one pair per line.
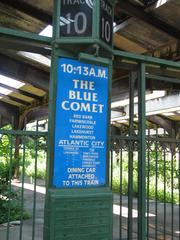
76, 18
106, 21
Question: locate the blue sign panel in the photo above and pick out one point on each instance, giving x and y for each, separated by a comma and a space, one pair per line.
81, 125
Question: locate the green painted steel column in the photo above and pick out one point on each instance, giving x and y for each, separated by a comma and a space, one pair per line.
83, 209
132, 79
141, 153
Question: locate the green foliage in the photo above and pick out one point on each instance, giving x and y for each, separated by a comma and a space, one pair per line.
10, 208
35, 151
166, 169
9, 199
14, 153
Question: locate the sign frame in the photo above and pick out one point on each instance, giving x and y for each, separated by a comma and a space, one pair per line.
97, 64
84, 40
106, 22
76, 19
86, 58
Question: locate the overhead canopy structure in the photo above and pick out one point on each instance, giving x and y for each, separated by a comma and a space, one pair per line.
144, 27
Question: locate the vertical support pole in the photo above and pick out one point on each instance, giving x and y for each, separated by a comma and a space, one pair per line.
148, 181
35, 183
52, 97
109, 127
22, 189
120, 192
156, 185
56, 17
172, 192
132, 79
165, 179
142, 153
178, 158
52, 94
95, 29
70, 194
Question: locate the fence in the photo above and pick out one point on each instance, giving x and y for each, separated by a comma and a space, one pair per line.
22, 163
162, 185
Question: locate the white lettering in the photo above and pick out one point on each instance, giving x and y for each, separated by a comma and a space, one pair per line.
97, 144
87, 96
64, 105
83, 84
82, 107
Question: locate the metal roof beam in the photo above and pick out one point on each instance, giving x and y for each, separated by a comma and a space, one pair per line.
159, 105
164, 72
16, 39
24, 73
38, 113
155, 106
15, 99
163, 122
29, 9
134, 58
20, 91
137, 12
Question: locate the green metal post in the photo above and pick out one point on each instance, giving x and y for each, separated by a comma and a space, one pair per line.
141, 154
109, 127
10, 186
95, 29
47, 234
75, 213
156, 186
132, 79
22, 190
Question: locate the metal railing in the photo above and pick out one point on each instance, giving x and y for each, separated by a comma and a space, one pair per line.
22, 163
162, 185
